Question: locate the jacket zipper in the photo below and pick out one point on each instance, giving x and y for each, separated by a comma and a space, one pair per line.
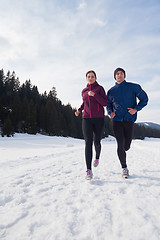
89, 102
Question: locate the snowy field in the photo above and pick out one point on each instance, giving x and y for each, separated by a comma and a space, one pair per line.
44, 194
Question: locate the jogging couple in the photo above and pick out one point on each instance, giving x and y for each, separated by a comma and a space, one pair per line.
121, 103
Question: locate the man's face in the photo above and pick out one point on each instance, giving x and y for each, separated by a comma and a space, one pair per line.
119, 76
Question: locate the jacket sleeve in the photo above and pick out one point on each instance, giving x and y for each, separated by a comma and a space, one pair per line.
109, 104
142, 96
101, 98
81, 107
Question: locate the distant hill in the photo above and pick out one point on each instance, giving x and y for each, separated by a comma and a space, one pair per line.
149, 125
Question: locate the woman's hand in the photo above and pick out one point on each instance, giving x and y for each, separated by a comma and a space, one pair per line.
90, 93
77, 113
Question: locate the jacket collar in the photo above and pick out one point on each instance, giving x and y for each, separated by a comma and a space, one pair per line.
93, 84
121, 84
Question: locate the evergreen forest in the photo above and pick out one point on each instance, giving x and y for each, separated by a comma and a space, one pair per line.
24, 110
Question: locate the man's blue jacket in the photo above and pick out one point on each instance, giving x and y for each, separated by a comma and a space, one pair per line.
123, 96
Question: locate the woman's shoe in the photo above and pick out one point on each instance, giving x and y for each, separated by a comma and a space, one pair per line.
96, 162
89, 174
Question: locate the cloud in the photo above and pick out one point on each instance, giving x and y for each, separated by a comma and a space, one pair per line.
149, 115
99, 22
82, 5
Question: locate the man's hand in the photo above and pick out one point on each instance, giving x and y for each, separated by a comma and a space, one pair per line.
113, 115
132, 111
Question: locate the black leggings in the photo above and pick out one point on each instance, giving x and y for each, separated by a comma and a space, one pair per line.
92, 131
123, 132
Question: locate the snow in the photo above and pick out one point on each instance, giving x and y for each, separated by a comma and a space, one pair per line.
44, 194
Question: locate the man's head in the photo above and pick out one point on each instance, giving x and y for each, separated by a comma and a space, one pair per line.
119, 75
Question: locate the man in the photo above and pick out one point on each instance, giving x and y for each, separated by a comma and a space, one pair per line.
122, 108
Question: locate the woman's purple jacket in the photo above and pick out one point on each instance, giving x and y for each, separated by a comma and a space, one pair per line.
93, 106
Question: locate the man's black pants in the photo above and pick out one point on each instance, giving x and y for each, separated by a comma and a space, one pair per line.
123, 132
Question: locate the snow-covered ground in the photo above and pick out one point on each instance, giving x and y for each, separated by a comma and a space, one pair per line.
44, 194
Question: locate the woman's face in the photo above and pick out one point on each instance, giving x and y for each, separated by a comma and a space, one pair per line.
91, 78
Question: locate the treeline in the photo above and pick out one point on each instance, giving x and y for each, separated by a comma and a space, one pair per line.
24, 110
140, 132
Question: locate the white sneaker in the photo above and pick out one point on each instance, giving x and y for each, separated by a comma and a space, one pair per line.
89, 174
125, 173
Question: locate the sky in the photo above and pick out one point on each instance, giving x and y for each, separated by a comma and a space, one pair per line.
55, 42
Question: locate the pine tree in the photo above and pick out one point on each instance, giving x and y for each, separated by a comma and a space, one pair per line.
51, 118
7, 128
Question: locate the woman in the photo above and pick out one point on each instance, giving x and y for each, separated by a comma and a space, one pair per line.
94, 100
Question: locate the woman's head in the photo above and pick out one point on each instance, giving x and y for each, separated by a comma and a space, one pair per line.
91, 76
